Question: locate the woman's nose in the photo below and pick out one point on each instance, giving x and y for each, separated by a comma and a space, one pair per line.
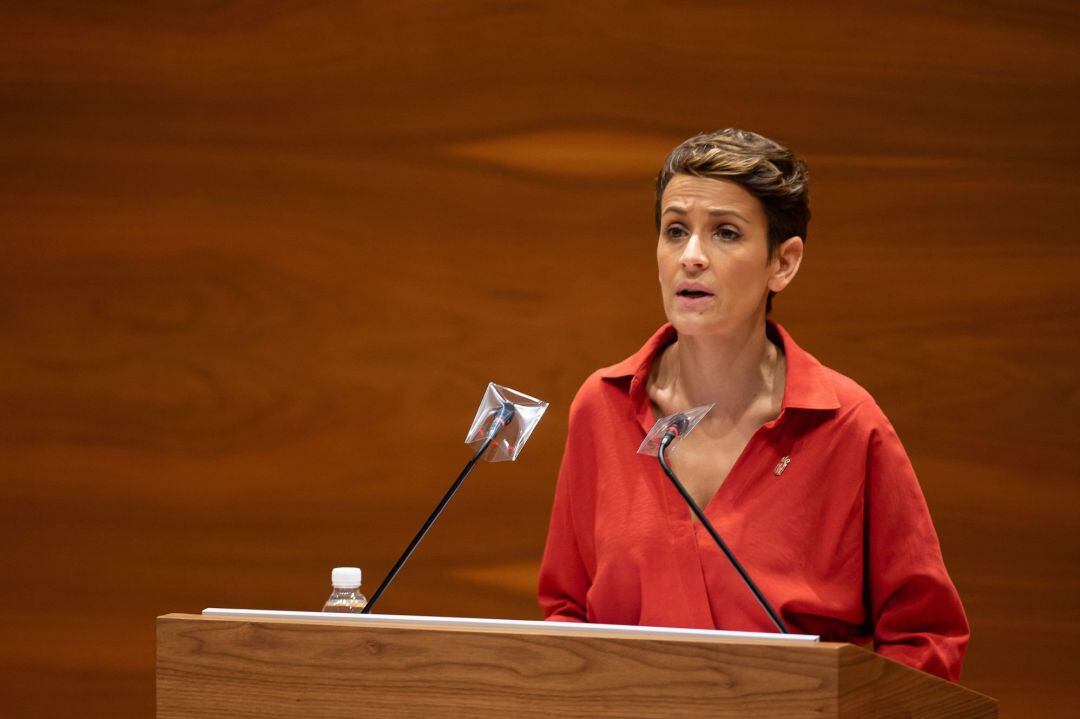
692, 255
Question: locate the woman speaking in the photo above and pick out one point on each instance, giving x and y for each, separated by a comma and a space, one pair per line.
796, 466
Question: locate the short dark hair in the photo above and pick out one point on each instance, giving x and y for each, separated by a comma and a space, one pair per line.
763, 167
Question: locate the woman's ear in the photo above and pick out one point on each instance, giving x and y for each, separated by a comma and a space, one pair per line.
785, 263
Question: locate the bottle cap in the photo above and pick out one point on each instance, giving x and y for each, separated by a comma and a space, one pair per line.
346, 577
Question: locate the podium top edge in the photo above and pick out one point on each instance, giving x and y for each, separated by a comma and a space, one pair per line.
504, 626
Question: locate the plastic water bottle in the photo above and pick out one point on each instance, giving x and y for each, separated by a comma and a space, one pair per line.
346, 596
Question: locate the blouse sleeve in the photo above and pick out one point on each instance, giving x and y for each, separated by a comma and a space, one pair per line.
564, 580
917, 615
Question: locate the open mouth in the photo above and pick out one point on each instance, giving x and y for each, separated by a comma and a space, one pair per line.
693, 294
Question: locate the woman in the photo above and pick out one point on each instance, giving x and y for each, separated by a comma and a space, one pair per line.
796, 466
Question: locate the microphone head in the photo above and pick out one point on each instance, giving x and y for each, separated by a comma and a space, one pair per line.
501, 417
506, 412
669, 431
677, 426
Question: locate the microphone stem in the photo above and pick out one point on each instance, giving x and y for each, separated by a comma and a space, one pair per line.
717, 538
427, 524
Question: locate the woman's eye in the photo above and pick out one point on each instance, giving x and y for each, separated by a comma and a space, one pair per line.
674, 232
728, 233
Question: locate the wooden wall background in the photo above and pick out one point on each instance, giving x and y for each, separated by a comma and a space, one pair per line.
241, 241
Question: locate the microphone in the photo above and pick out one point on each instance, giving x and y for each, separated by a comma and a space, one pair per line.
677, 425
502, 417
676, 428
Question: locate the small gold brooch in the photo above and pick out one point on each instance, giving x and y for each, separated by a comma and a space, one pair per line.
781, 466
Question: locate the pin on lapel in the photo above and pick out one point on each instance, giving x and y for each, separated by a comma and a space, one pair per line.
782, 465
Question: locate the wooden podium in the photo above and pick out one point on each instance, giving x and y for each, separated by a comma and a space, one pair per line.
262, 666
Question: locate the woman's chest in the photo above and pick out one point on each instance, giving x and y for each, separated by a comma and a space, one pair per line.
785, 520
704, 465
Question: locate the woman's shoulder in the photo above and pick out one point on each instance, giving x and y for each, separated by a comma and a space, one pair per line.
857, 405
814, 385
608, 388
599, 392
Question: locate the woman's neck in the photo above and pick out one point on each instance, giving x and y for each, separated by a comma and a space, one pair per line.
732, 370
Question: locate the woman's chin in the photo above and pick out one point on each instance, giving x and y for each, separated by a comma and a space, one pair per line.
690, 324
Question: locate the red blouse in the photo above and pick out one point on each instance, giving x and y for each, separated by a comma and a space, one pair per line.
840, 542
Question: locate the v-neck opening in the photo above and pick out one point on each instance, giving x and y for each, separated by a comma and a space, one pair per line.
739, 460
647, 415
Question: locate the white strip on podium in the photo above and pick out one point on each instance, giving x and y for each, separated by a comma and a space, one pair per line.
513, 625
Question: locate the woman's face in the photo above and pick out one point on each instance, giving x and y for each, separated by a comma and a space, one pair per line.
715, 270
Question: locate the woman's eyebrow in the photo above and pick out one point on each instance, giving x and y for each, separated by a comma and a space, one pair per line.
722, 211
678, 210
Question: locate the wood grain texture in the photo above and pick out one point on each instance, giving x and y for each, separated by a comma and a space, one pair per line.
240, 241
295, 668
869, 686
